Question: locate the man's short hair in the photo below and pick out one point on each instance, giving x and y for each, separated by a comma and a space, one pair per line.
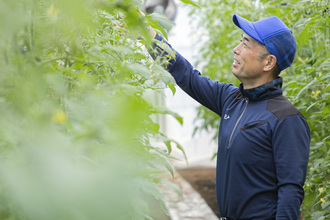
265, 52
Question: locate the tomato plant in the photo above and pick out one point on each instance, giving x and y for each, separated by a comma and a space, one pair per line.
78, 133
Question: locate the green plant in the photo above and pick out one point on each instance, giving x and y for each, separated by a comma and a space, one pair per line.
77, 129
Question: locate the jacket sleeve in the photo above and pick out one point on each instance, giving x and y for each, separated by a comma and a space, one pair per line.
291, 142
211, 94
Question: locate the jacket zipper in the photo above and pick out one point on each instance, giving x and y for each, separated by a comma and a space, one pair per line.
232, 133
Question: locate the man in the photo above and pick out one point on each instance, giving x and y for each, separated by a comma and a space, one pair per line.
263, 145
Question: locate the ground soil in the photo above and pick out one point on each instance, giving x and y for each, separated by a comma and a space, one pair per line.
203, 181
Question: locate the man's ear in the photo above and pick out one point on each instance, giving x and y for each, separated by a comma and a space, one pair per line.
270, 62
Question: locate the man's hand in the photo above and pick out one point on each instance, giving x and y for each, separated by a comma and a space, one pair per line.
151, 30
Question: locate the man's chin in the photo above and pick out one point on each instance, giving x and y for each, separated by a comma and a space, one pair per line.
234, 72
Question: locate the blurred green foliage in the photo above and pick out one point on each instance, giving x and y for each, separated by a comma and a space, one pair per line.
306, 82
78, 138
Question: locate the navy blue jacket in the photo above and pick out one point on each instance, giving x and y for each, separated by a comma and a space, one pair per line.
263, 145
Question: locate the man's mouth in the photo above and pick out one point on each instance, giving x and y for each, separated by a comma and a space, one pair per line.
235, 63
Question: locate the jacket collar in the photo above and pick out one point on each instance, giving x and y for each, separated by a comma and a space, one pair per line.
270, 89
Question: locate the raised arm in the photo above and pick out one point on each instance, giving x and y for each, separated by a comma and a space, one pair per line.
211, 94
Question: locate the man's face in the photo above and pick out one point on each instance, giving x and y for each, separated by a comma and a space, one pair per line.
247, 65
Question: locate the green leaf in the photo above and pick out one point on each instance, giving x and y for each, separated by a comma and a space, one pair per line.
139, 56
154, 24
168, 145
164, 162
162, 152
315, 103
319, 215
140, 69
177, 117
325, 64
119, 49
167, 111
191, 3
182, 151
162, 20
154, 127
164, 76
325, 205
130, 89
305, 87
173, 89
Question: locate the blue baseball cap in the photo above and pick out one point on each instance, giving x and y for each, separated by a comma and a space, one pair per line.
274, 34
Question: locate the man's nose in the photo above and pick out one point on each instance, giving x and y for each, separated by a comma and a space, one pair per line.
236, 49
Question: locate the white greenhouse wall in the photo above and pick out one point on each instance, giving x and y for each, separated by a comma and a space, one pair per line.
200, 148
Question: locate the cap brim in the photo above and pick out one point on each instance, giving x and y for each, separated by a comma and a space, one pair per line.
247, 27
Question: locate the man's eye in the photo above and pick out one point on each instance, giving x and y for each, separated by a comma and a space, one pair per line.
243, 42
